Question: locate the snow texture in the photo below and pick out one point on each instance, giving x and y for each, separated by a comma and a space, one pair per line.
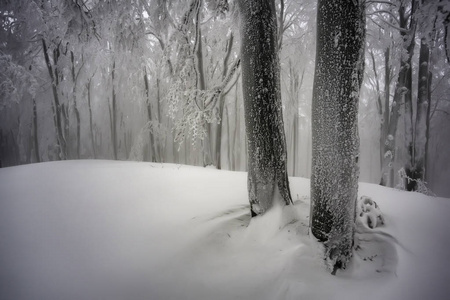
369, 212
126, 230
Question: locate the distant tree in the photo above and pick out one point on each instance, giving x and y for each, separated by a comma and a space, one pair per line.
267, 170
335, 140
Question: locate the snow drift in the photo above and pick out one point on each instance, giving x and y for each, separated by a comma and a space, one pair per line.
126, 230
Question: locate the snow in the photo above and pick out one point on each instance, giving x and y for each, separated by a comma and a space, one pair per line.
127, 230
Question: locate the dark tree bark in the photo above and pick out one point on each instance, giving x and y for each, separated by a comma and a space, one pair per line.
408, 22
150, 116
113, 113
35, 133
91, 127
420, 136
335, 140
58, 109
402, 98
74, 95
267, 166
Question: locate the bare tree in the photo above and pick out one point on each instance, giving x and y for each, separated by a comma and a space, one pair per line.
267, 167
335, 140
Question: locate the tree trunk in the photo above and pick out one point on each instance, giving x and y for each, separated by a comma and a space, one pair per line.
35, 133
420, 137
61, 142
408, 36
113, 114
77, 112
266, 141
335, 140
149, 115
402, 97
91, 128
427, 133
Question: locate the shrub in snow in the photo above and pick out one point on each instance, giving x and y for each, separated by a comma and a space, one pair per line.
420, 185
369, 212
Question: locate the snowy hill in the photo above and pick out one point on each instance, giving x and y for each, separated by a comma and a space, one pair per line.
125, 230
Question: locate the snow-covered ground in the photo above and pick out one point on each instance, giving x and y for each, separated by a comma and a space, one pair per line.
124, 230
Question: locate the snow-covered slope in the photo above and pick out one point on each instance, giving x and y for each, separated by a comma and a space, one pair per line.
124, 230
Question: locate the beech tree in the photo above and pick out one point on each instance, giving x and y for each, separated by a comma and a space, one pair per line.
267, 171
335, 140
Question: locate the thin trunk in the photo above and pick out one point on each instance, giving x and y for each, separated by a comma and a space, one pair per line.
77, 112
237, 127
402, 97
408, 22
113, 113
295, 142
201, 85
61, 142
420, 138
35, 133
91, 127
158, 145
150, 118
427, 133
387, 93
219, 127
229, 155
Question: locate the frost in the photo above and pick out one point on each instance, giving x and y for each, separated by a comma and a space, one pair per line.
336, 39
388, 154
369, 212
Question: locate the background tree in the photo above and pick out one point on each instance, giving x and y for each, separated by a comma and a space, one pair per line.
335, 140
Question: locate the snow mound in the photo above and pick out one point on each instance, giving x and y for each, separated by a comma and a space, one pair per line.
369, 212
138, 231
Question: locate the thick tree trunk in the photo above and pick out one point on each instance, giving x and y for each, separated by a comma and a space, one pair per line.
266, 141
335, 140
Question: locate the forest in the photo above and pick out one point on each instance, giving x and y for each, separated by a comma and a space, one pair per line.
160, 81
224, 149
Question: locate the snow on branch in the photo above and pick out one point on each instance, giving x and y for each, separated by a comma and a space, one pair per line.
193, 108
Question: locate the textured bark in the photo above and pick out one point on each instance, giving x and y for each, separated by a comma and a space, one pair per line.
35, 133
219, 127
335, 140
427, 132
77, 112
58, 110
113, 113
150, 116
420, 137
402, 98
91, 128
267, 166
408, 22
